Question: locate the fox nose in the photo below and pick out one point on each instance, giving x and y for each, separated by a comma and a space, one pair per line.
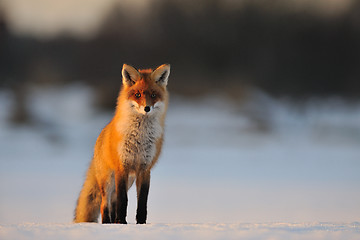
147, 109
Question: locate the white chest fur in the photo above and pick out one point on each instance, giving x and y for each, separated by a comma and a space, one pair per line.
138, 148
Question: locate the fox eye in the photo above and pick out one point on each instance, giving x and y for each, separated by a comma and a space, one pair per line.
153, 95
137, 95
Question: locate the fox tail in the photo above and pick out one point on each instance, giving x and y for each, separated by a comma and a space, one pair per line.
88, 204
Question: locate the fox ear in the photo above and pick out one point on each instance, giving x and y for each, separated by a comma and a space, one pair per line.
130, 75
161, 75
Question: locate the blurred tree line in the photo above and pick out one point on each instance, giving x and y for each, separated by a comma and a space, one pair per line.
211, 48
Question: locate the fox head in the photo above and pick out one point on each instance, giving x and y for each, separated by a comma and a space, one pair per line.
145, 90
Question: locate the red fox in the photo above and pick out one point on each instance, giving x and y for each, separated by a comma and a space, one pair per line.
126, 149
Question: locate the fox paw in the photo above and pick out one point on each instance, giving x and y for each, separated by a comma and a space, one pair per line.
118, 221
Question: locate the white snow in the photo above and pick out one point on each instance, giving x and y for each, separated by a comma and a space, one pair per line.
260, 169
158, 231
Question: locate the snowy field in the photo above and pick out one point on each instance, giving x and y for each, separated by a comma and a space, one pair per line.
259, 169
158, 231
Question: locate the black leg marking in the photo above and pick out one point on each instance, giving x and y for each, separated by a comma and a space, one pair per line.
113, 212
105, 216
121, 201
142, 203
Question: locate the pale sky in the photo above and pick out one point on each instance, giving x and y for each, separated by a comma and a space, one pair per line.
82, 18
47, 18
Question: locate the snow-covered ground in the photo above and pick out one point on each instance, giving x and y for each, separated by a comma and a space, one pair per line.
258, 169
158, 231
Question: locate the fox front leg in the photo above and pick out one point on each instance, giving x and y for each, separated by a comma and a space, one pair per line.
142, 187
121, 198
